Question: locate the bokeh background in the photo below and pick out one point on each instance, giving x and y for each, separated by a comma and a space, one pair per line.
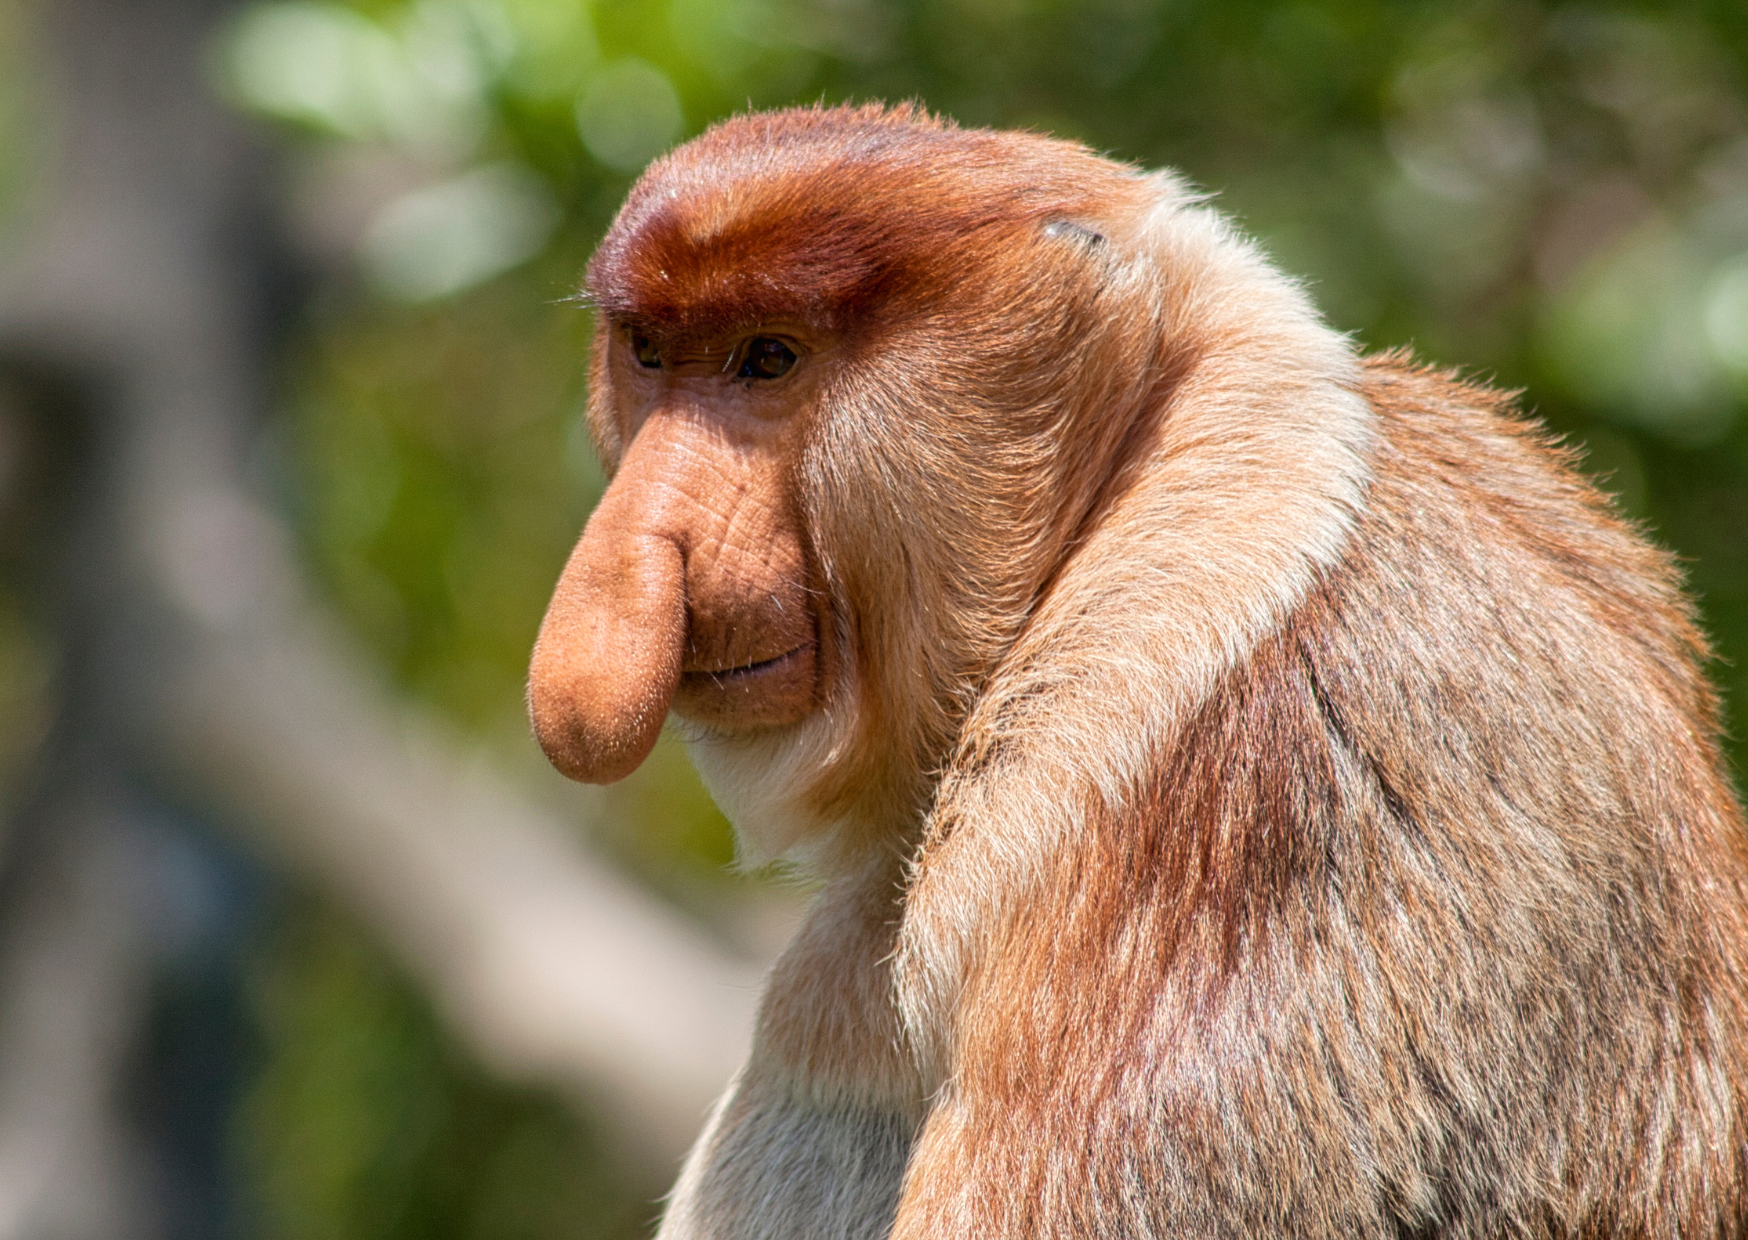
298, 938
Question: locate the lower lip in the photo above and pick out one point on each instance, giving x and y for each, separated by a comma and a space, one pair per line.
733, 675
770, 693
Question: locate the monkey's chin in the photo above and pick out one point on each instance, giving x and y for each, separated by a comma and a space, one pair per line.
769, 693
761, 780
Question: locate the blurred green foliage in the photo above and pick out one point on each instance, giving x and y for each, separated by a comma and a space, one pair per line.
1553, 195
25, 657
18, 152
368, 1123
438, 515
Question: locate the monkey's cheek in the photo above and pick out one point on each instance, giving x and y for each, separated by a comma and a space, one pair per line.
772, 694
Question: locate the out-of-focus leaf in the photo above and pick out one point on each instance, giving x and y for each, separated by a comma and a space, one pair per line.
1631, 337
628, 114
439, 240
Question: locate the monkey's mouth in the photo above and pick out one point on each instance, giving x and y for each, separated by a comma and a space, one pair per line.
729, 675
760, 694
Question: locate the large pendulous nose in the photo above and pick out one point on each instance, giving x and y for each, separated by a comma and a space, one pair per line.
607, 661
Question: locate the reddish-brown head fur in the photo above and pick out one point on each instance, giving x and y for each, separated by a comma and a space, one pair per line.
827, 214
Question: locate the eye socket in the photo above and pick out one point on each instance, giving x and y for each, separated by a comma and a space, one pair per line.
766, 358
644, 349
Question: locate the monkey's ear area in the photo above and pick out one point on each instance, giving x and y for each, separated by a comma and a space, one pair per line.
1069, 230
607, 661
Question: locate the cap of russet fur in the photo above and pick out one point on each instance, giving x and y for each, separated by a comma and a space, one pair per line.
1262, 790
835, 213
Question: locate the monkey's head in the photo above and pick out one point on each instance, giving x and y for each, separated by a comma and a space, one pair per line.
860, 379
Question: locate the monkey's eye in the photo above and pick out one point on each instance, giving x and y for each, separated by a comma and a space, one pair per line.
766, 359
645, 350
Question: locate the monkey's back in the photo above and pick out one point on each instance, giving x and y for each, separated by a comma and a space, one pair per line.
1535, 748
1447, 884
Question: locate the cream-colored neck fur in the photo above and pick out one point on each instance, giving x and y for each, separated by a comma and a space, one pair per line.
761, 782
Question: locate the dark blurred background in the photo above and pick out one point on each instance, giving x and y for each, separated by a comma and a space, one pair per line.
298, 936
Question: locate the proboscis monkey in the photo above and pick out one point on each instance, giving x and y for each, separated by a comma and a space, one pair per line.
1259, 790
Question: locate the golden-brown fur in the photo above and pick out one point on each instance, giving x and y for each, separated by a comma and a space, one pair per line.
1259, 791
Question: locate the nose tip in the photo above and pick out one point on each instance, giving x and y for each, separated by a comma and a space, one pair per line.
586, 735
